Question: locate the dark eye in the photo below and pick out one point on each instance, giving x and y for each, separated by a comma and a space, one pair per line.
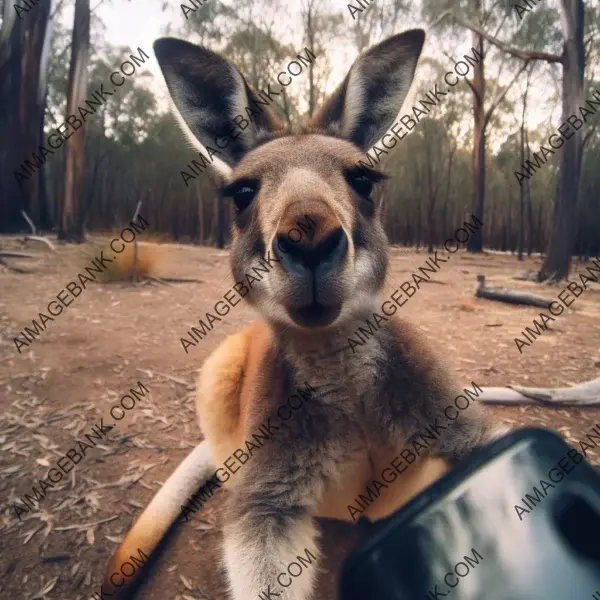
243, 196
362, 185
362, 180
242, 193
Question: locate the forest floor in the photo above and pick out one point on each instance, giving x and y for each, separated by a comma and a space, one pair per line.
115, 335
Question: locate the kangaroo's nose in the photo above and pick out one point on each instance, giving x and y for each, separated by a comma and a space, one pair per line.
298, 257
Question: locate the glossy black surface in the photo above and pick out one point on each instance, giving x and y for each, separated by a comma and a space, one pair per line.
551, 552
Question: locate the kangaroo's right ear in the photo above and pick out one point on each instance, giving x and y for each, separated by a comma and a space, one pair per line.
368, 101
208, 93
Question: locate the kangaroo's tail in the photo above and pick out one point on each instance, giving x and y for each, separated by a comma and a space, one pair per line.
156, 520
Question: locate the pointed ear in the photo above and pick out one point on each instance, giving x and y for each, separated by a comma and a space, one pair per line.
369, 99
208, 93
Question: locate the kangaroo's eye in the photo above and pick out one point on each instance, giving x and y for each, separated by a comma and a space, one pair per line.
362, 185
362, 180
242, 193
243, 197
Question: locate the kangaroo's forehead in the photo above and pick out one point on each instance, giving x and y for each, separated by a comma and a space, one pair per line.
302, 174
324, 155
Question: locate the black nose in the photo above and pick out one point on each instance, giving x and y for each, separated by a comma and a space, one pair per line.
326, 255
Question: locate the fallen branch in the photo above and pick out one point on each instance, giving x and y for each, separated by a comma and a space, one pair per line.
180, 280
15, 269
152, 279
169, 280
30, 222
189, 386
504, 295
585, 394
54, 558
36, 238
526, 276
8, 254
86, 525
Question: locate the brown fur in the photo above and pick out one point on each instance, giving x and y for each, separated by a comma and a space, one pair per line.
234, 398
367, 404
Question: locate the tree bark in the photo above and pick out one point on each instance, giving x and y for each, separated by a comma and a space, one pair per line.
220, 223
432, 195
475, 243
23, 42
200, 218
311, 67
71, 218
527, 187
558, 258
524, 189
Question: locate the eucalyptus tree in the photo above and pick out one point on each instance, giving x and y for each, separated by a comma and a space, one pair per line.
321, 24
378, 20
24, 48
495, 16
71, 214
572, 59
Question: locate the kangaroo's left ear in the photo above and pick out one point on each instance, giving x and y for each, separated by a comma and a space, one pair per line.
367, 102
208, 94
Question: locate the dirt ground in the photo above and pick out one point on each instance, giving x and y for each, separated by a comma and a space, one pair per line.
114, 335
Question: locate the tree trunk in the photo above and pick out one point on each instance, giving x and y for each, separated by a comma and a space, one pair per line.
448, 187
432, 193
558, 258
23, 42
522, 190
220, 223
527, 187
492, 222
70, 227
200, 219
540, 234
311, 66
418, 228
475, 243
521, 238
509, 231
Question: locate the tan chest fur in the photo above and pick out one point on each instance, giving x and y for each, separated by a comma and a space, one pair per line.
234, 376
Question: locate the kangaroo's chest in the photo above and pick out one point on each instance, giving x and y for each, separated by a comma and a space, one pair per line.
372, 479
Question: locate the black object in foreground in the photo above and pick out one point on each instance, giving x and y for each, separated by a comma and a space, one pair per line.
518, 521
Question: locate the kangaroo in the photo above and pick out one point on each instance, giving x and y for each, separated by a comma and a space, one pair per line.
363, 406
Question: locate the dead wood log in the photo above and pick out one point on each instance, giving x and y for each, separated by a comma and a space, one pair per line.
526, 276
152, 279
169, 280
37, 238
15, 269
582, 395
8, 254
181, 279
505, 295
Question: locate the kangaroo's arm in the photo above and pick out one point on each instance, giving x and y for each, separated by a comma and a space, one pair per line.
219, 396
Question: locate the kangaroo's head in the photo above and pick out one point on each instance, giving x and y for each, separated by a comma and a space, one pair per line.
302, 199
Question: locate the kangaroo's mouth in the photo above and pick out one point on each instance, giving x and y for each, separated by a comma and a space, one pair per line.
315, 315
